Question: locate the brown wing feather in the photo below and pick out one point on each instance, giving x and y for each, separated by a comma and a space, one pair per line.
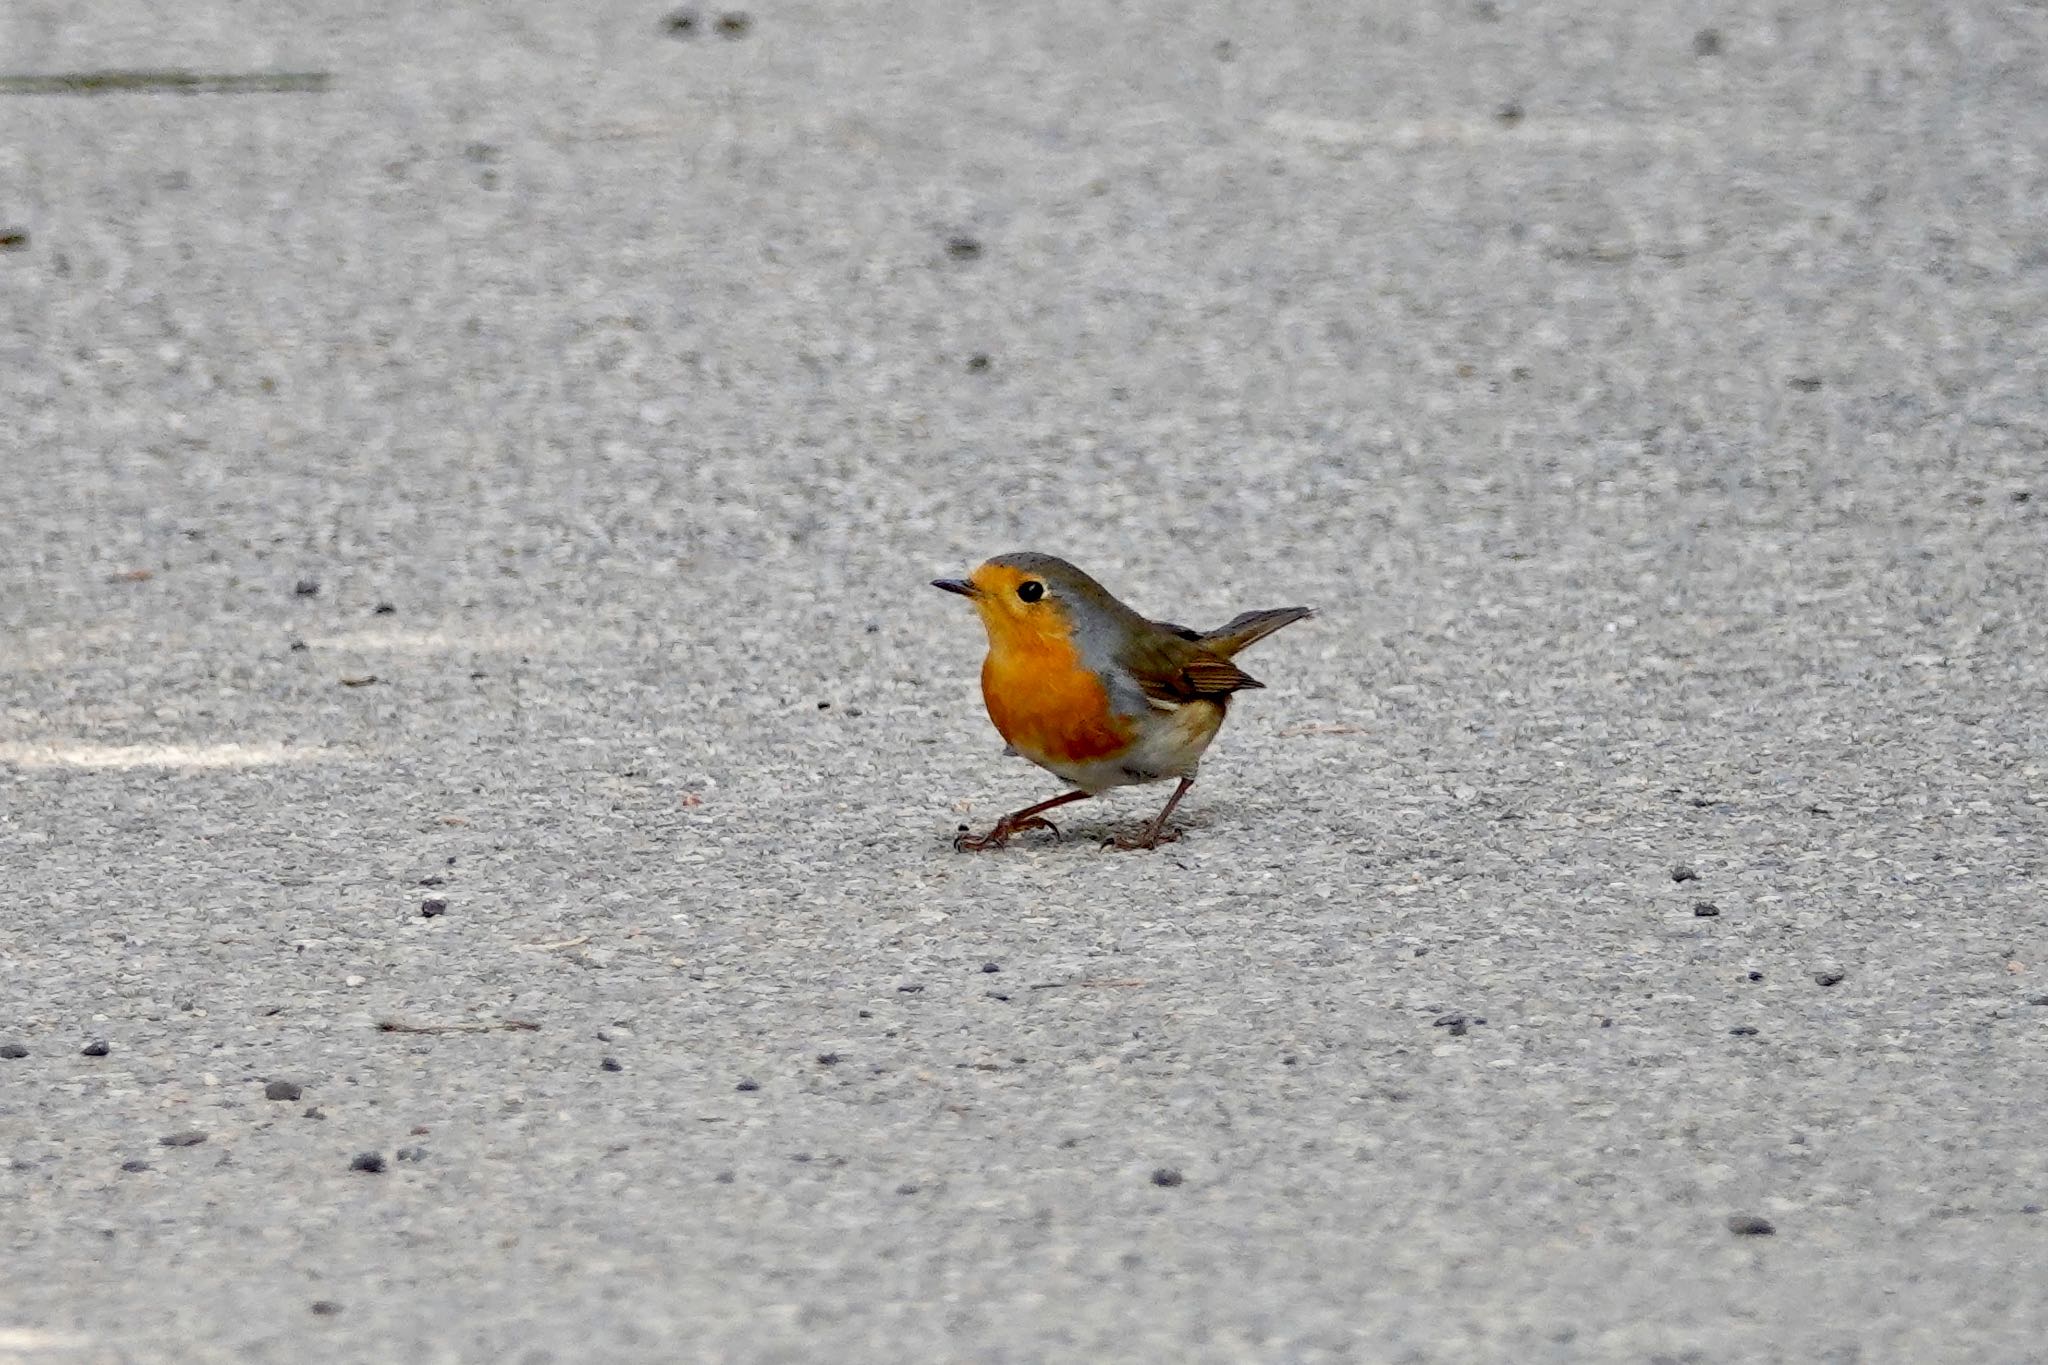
1171, 668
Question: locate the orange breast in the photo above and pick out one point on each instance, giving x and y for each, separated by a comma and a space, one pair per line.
1046, 704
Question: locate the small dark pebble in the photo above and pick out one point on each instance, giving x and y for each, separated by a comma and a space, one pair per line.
1705, 909
135, 1165
828, 1059
384, 609
1166, 1177
1743, 1031
96, 1048
1749, 1225
412, 1154
1828, 978
724, 1177
1756, 976
963, 248
2037, 1000
2023, 495
907, 1188
748, 1084
299, 646
909, 988
735, 24
1707, 43
991, 967
370, 1163
325, 1308
978, 362
1509, 114
611, 1064
13, 239
13, 1051
306, 587
1682, 873
433, 906
191, 1137
1805, 383
2030, 1208
314, 1111
1458, 1024
682, 23
282, 1090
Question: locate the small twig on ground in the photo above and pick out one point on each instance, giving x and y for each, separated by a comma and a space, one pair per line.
468, 1026
1085, 985
575, 942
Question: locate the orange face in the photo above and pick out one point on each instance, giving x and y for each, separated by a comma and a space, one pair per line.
1042, 698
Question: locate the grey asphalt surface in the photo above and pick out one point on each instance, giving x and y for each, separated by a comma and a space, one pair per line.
1653, 403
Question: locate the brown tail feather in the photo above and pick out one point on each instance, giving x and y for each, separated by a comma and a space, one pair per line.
1248, 628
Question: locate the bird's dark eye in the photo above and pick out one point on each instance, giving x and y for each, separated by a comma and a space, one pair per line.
1031, 590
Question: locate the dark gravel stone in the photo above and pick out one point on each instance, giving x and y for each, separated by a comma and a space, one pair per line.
433, 906
748, 1084
978, 362
2037, 1000
1749, 1225
1743, 1031
907, 1188
682, 23
828, 1059
1458, 1024
991, 967
963, 248
13, 1051
191, 1137
306, 587
384, 609
314, 1111
371, 1163
1828, 978
325, 1308
1166, 1177
1705, 909
1756, 976
1509, 114
735, 24
611, 1064
910, 988
135, 1165
282, 1090
1682, 873
96, 1048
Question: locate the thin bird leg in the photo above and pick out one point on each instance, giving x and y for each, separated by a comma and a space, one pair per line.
1156, 835
1028, 818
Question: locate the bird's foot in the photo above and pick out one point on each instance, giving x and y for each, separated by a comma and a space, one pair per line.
1151, 838
1000, 835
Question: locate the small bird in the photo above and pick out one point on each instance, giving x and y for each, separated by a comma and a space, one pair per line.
1091, 691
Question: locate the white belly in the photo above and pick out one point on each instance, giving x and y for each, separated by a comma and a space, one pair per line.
1171, 739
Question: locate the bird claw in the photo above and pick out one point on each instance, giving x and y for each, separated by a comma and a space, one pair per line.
1000, 835
1149, 839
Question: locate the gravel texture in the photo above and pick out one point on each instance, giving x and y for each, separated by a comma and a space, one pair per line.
1652, 401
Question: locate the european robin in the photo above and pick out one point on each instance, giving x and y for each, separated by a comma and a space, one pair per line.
1093, 692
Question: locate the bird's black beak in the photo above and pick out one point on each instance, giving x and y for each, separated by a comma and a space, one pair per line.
959, 585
